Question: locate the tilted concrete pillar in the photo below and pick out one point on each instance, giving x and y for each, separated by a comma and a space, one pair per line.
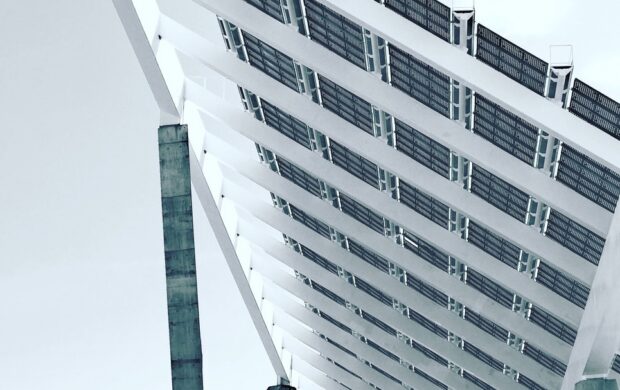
176, 203
597, 384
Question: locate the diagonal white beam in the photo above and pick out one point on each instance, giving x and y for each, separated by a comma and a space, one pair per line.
264, 178
524, 236
413, 221
228, 250
481, 78
442, 347
312, 357
387, 98
238, 188
316, 376
314, 341
598, 337
287, 310
470, 333
347, 260
169, 115
278, 280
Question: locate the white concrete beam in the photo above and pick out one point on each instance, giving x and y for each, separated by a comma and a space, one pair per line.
228, 249
481, 78
414, 173
387, 98
442, 347
169, 114
288, 311
281, 281
410, 220
449, 320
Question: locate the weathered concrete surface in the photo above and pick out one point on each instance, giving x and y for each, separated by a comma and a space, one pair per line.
597, 384
176, 202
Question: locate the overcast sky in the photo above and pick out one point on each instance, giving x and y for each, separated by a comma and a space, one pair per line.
82, 284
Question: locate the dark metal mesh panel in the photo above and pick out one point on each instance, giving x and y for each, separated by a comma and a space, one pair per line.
494, 245
368, 256
424, 204
508, 58
483, 385
505, 130
489, 288
553, 325
336, 33
319, 260
377, 322
270, 7
355, 164
335, 344
422, 149
270, 61
431, 15
595, 108
336, 322
310, 222
328, 293
373, 292
430, 378
616, 364
575, 237
361, 213
426, 251
382, 350
420, 81
427, 290
286, 124
530, 384
348, 106
482, 356
545, 360
429, 353
487, 325
589, 178
428, 324
562, 284
499, 193
293, 173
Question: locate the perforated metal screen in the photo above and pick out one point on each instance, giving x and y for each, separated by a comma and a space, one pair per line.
336, 33
424, 204
511, 60
595, 108
431, 15
285, 124
422, 149
505, 129
270, 7
346, 105
355, 164
420, 81
589, 178
575, 237
499, 193
272, 62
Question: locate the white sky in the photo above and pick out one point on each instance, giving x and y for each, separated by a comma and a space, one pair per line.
82, 285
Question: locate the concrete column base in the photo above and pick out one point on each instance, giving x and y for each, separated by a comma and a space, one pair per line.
597, 384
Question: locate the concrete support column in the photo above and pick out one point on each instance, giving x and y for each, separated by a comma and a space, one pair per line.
597, 384
176, 202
